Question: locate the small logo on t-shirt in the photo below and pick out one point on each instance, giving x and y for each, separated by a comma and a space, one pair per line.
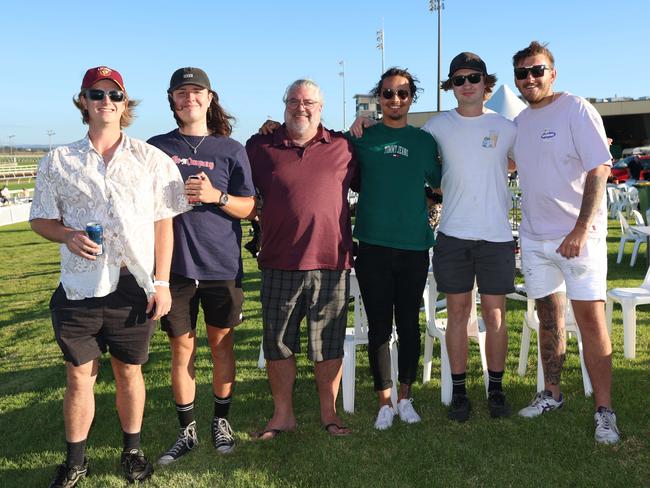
548, 134
490, 141
396, 151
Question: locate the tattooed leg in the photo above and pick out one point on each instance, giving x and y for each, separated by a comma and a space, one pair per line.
550, 310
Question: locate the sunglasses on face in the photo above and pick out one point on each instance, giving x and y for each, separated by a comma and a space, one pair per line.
459, 80
389, 94
537, 71
98, 95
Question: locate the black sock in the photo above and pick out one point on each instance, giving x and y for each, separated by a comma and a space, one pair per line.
75, 453
185, 414
495, 379
222, 406
458, 384
130, 441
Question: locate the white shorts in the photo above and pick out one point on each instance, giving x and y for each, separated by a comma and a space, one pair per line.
546, 271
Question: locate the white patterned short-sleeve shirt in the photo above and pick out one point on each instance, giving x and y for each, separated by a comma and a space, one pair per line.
139, 186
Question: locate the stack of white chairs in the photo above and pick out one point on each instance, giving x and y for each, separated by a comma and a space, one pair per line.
622, 198
531, 323
629, 298
436, 328
356, 336
628, 234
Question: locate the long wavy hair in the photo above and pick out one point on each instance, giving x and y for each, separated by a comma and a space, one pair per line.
218, 120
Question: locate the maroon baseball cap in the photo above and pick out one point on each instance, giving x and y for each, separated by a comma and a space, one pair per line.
93, 75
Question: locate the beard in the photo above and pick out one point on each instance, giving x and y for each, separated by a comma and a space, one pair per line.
298, 127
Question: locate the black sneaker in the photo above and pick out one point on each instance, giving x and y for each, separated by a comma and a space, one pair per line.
69, 477
185, 442
222, 436
136, 467
497, 405
460, 408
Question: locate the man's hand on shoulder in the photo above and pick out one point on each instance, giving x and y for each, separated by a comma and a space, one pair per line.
269, 127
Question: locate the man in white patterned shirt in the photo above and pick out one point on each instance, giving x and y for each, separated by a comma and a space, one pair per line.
108, 298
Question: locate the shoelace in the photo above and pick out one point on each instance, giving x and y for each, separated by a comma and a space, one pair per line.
539, 399
603, 421
222, 431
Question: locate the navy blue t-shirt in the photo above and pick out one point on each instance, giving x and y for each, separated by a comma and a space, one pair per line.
207, 241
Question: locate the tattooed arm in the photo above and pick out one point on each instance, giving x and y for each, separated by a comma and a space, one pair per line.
593, 193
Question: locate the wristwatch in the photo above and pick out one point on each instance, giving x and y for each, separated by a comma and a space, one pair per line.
223, 200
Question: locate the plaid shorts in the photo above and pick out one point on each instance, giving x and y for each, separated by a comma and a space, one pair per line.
288, 296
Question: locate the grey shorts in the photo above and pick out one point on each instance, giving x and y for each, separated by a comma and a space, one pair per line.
319, 295
457, 262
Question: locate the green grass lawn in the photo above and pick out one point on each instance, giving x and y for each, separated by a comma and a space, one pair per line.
555, 450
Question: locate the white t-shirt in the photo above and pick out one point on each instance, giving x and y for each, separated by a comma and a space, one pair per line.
556, 146
474, 152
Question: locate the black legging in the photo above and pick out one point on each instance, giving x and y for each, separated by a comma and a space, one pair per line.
390, 279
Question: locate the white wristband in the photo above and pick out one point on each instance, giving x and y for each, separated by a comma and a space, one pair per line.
161, 283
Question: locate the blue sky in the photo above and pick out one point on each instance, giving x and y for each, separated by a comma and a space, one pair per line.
252, 50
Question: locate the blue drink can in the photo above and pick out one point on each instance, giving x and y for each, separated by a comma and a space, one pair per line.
95, 233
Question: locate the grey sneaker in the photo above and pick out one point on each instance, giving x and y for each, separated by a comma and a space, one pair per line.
69, 477
606, 430
185, 442
222, 435
542, 403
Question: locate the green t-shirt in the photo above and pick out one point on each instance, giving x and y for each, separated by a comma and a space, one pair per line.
394, 164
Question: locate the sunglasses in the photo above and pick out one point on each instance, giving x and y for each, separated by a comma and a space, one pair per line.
459, 80
98, 95
537, 71
389, 94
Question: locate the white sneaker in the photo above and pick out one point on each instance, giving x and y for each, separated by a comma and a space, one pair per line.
406, 411
606, 429
385, 418
542, 403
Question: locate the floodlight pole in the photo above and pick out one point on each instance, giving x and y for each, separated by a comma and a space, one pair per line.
342, 74
438, 6
50, 133
380, 46
11, 144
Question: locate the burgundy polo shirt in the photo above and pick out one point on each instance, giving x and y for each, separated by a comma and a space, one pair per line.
305, 214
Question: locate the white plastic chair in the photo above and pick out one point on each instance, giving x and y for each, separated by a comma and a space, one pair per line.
436, 330
629, 234
355, 336
617, 200
531, 323
629, 298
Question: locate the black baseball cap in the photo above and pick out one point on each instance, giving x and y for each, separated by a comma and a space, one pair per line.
468, 61
189, 76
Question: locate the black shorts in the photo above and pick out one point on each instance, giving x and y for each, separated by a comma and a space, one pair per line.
84, 329
221, 301
457, 262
